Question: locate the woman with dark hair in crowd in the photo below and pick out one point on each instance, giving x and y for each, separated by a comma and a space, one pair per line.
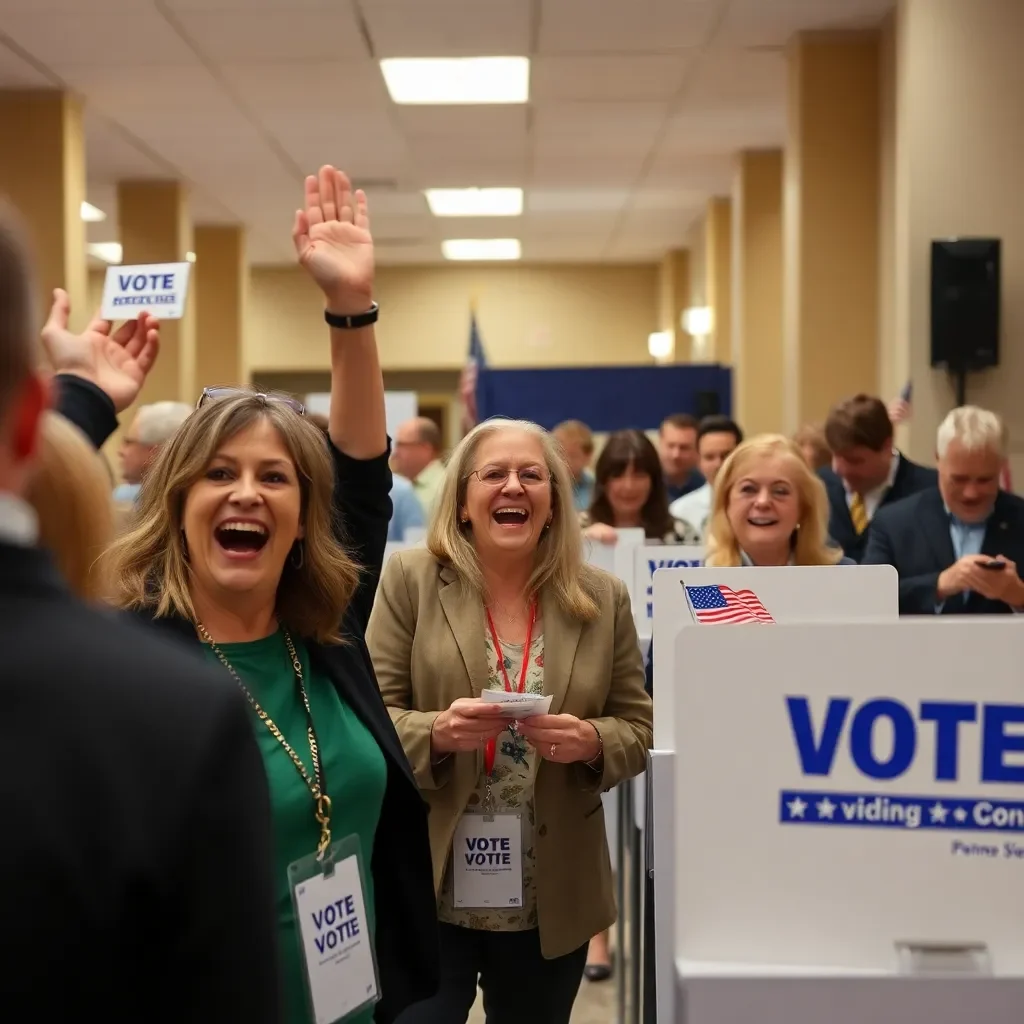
629, 491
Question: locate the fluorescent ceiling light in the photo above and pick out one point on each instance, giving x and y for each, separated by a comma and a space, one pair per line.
92, 214
659, 344
109, 252
190, 256
457, 79
475, 202
481, 249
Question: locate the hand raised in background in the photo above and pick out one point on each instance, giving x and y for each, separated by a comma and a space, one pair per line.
117, 362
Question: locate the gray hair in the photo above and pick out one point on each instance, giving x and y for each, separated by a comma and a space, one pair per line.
975, 429
160, 421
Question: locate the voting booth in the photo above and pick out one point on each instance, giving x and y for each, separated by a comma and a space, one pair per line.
746, 596
848, 823
647, 561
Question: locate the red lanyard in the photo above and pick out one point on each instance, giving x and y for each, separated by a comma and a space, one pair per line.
491, 748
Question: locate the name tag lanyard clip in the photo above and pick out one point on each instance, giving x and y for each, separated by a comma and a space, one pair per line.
317, 784
491, 748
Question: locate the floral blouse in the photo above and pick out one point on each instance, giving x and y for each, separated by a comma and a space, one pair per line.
515, 769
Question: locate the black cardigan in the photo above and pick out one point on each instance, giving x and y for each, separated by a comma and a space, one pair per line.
406, 909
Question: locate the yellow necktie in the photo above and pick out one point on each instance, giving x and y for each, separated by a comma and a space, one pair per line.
858, 513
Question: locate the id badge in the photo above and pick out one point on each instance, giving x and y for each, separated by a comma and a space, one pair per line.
329, 897
487, 861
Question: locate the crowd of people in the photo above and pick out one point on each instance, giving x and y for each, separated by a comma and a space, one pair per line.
222, 704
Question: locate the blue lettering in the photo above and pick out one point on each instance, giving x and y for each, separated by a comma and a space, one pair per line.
904, 741
139, 282
947, 717
168, 282
996, 744
123, 281
817, 758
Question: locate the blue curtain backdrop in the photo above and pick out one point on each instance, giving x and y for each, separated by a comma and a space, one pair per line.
606, 398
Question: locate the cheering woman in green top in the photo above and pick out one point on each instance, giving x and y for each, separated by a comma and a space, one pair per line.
236, 550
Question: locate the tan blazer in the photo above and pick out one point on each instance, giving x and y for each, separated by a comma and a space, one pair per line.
426, 637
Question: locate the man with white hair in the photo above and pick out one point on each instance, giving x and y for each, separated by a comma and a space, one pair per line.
957, 547
153, 425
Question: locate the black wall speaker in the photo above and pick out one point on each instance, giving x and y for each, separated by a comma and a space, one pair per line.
707, 403
965, 303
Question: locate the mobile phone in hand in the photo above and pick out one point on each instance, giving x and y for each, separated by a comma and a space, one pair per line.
993, 563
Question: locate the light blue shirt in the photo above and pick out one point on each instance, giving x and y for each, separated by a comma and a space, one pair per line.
583, 491
128, 493
967, 539
407, 511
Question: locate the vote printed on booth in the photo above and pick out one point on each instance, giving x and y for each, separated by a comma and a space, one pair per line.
881, 739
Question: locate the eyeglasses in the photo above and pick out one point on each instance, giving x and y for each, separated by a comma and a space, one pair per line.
215, 394
497, 476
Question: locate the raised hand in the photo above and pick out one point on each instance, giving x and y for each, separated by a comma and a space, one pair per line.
332, 241
116, 363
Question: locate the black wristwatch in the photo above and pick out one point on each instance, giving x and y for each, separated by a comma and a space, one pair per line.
351, 323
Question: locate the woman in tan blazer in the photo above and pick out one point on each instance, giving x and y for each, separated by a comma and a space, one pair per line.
502, 601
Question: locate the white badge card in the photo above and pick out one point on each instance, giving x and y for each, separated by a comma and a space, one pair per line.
487, 861
157, 288
334, 932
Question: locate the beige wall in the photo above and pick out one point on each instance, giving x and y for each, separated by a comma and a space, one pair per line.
528, 316
959, 167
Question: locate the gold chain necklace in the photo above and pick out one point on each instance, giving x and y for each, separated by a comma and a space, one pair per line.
317, 786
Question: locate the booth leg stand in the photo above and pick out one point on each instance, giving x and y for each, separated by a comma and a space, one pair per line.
636, 918
661, 768
622, 889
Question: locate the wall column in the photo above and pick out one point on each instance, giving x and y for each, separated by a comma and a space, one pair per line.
832, 186
718, 261
42, 172
220, 290
673, 298
757, 352
155, 227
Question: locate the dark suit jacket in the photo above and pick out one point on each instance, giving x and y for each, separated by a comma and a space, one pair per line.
406, 910
913, 535
136, 850
910, 478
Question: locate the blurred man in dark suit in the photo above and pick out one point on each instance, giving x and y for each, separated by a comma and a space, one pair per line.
135, 866
957, 548
867, 471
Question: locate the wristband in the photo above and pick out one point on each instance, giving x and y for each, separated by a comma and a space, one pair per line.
351, 323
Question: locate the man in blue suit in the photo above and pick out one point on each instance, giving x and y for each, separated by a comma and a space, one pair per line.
957, 547
867, 471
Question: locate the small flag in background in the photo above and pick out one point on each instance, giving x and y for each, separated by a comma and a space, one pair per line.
475, 361
900, 408
715, 605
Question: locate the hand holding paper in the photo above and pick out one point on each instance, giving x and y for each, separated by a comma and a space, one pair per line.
562, 738
467, 725
517, 706
116, 363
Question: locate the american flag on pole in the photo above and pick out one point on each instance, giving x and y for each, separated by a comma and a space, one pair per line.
475, 361
717, 605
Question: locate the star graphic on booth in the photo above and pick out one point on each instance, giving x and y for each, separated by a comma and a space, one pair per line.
826, 808
960, 814
797, 808
938, 813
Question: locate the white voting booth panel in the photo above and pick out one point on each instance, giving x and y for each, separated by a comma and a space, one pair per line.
849, 799
791, 594
646, 562
799, 593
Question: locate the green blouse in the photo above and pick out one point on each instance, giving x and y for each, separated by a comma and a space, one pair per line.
354, 771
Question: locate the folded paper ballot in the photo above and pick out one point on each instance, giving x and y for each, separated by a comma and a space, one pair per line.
518, 705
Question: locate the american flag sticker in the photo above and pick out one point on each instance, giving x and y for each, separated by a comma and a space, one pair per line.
717, 605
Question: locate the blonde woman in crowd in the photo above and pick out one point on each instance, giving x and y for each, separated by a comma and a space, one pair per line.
501, 600
810, 439
769, 509
70, 492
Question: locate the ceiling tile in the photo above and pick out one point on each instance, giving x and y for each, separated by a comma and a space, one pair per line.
248, 6
688, 200
112, 153
570, 200
612, 26
556, 170
131, 39
606, 77
482, 166
757, 23
463, 123
18, 73
310, 90
448, 28
275, 36
711, 174
599, 128
730, 76
719, 131
8, 7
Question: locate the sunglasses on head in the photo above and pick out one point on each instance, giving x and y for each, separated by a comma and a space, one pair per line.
214, 394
